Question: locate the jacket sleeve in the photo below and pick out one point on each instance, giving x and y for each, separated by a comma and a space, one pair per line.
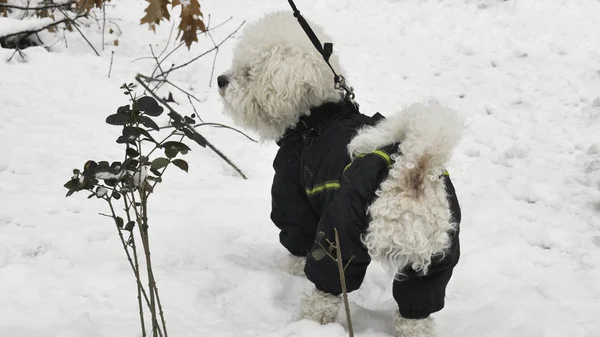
347, 214
418, 296
290, 210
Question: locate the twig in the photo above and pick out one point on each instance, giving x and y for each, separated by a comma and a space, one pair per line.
208, 144
164, 80
81, 33
112, 54
103, 27
119, 28
219, 125
21, 54
219, 25
168, 40
343, 281
158, 65
66, 4
182, 43
65, 38
206, 52
194, 107
212, 71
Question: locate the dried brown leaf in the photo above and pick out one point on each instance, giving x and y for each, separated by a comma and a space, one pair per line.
191, 22
155, 12
43, 13
4, 10
87, 5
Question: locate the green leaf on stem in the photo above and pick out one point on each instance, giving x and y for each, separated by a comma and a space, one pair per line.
133, 132
318, 254
159, 163
149, 106
129, 226
117, 119
131, 152
173, 148
101, 191
148, 122
182, 164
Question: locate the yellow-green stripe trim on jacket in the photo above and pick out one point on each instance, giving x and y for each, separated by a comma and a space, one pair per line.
328, 185
379, 153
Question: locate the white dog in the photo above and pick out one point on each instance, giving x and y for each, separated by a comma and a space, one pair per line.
379, 183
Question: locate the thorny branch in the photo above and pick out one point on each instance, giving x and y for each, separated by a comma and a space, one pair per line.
173, 113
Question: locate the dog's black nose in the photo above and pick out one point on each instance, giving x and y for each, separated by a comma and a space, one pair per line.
222, 81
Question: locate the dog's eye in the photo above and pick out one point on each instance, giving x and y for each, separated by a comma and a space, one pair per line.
247, 72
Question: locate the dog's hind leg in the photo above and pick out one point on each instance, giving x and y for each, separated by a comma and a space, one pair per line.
320, 307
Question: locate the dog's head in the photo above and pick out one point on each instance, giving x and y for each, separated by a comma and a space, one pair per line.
277, 76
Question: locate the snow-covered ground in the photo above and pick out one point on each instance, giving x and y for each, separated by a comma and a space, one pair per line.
525, 74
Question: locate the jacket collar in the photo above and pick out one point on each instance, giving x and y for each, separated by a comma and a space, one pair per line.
320, 117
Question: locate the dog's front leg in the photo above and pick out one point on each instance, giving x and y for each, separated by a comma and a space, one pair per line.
295, 265
320, 307
423, 327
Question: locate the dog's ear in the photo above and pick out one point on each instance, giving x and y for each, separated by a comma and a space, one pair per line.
292, 81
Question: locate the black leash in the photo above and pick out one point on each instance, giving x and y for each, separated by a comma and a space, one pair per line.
325, 50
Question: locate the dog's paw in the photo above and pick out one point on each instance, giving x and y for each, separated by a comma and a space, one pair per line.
320, 307
405, 327
295, 265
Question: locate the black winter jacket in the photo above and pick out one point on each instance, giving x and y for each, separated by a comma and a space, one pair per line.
316, 190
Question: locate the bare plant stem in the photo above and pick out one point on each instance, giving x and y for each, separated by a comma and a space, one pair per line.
112, 54
137, 268
161, 313
139, 217
343, 282
135, 271
143, 228
103, 26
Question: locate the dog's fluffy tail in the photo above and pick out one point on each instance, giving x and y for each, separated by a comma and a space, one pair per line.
410, 217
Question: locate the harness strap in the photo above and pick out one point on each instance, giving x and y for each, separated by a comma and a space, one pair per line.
325, 50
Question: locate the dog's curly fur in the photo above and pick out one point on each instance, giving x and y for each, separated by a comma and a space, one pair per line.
277, 76
410, 218
320, 307
414, 327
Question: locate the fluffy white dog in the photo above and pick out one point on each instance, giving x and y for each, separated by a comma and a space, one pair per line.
379, 184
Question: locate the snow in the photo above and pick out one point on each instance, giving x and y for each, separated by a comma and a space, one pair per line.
524, 74
11, 25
